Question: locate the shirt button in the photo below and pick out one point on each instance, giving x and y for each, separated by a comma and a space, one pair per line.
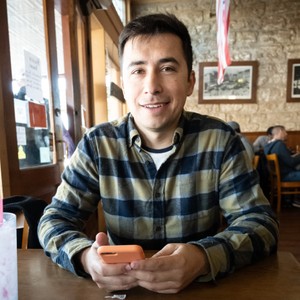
157, 228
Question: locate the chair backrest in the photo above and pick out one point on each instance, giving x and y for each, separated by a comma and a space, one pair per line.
22, 229
31, 209
255, 161
274, 167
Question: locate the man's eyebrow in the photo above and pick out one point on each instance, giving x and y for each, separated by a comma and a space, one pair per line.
169, 59
162, 60
136, 63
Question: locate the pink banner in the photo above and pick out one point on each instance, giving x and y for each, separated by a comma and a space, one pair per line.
223, 16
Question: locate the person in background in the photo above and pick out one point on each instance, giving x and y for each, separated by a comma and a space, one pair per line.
163, 175
248, 146
262, 141
289, 163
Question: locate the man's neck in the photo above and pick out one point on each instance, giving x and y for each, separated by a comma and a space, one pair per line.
276, 139
157, 140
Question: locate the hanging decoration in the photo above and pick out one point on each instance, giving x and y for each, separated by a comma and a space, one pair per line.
223, 17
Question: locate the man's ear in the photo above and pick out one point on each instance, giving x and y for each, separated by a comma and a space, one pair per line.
191, 83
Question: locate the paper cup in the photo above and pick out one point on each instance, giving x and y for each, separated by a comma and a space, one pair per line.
8, 258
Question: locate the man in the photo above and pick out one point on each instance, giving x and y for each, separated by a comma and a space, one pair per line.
262, 140
288, 162
248, 146
163, 175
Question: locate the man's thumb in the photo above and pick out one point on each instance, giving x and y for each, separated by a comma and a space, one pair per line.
101, 239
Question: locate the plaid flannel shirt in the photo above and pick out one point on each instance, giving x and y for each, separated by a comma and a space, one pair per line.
208, 172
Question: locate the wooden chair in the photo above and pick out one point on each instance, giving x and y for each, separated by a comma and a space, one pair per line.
23, 227
255, 161
28, 211
278, 187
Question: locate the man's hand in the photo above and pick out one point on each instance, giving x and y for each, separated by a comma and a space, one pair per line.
171, 269
111, 277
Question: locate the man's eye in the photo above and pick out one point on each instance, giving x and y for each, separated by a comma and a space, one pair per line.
168, 69
137, 71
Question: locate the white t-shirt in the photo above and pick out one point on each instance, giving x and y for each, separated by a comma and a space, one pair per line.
159, 156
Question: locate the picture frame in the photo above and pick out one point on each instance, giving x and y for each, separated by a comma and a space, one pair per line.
293, 81
239, 85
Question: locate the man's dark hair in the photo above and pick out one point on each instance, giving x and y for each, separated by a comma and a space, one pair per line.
153, 24
269, 130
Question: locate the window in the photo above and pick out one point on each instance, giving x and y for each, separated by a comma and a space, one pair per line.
30, 84
120, 6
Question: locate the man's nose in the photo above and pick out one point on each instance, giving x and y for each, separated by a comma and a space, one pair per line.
152, 84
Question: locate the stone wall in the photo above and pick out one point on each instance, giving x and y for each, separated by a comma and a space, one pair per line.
264, 30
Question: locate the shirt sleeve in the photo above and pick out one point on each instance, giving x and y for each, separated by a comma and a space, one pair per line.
286, 157
252, 231
61, 228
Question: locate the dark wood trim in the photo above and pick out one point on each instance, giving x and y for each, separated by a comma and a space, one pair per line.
8, 149
293, 138
72, 71
117, 92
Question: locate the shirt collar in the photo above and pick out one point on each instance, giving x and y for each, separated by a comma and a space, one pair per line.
135, 138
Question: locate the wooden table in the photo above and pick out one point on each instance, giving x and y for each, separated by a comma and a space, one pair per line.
276, 277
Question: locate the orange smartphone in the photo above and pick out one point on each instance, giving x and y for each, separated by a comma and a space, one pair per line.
120, 253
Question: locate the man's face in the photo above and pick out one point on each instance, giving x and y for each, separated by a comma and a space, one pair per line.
283, 134
156, 82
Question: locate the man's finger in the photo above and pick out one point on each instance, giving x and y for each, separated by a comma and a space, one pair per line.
101, 239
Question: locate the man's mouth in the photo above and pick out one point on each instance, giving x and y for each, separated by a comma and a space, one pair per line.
154, 105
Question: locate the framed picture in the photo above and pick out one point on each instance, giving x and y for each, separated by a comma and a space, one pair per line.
239, 85
293, 81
